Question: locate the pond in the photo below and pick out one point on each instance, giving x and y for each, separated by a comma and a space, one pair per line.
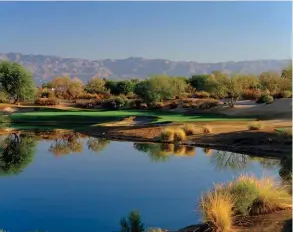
60, 182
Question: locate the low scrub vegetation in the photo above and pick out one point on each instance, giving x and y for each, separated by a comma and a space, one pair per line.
245, 196
207, 130
190, 129
255, 126
167, 135
286, 94
179, 135
47, 101
201, 94
268, 99
172, 135
216, 208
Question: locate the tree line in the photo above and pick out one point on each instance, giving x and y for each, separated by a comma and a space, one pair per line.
16, 84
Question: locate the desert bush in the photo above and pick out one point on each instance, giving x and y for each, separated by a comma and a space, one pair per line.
173, 105
265, 99
251, 94
201, 94
189, 129
158, 105
186, 105
208, 104
167, 135
207, 130
271, 197
47, 101
179, 135
255, 126
143, 106
216, 209
130, 95
245, 195
114, 102
286, 94
245, 187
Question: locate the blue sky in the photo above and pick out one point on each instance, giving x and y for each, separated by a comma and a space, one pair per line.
197, 31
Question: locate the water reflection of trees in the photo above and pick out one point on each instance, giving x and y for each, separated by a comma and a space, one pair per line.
66, 143
97, 144
16, 152
163, 151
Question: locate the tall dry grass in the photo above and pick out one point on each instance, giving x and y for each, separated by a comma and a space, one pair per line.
216, 208
190, 129
167, 135
246, 196
179, 135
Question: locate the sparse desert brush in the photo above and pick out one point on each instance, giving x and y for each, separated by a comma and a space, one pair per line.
271, 197
190, 151
167, 148
189, 129
207, 130
216, 208
179, 150
255, 126
167, 135
179, 135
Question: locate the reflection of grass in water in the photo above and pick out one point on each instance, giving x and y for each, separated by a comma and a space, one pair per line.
207, 151
167, 148
190, 151
179, 150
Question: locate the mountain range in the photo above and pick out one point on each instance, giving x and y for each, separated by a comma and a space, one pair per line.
44, 67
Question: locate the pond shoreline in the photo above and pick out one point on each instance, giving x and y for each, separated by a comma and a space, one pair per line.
257, 143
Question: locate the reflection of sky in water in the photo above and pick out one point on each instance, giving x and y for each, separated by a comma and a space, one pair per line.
91, 191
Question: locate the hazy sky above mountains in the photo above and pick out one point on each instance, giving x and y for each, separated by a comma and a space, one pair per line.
197, 31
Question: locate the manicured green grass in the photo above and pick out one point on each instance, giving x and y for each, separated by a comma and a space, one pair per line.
102, 116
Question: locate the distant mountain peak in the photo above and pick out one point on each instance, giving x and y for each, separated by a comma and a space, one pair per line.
46, 67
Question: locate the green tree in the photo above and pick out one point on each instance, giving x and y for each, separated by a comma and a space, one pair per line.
124, 87
16, 81
178, 85
75, 87
16, 152
158, 88
199, 82
270, 81
95, 85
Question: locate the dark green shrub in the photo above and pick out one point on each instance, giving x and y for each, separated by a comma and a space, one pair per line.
114, 103
266, 99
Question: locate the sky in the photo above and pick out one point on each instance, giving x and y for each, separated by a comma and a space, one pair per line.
179, 31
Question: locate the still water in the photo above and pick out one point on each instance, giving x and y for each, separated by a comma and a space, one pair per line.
69, 182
